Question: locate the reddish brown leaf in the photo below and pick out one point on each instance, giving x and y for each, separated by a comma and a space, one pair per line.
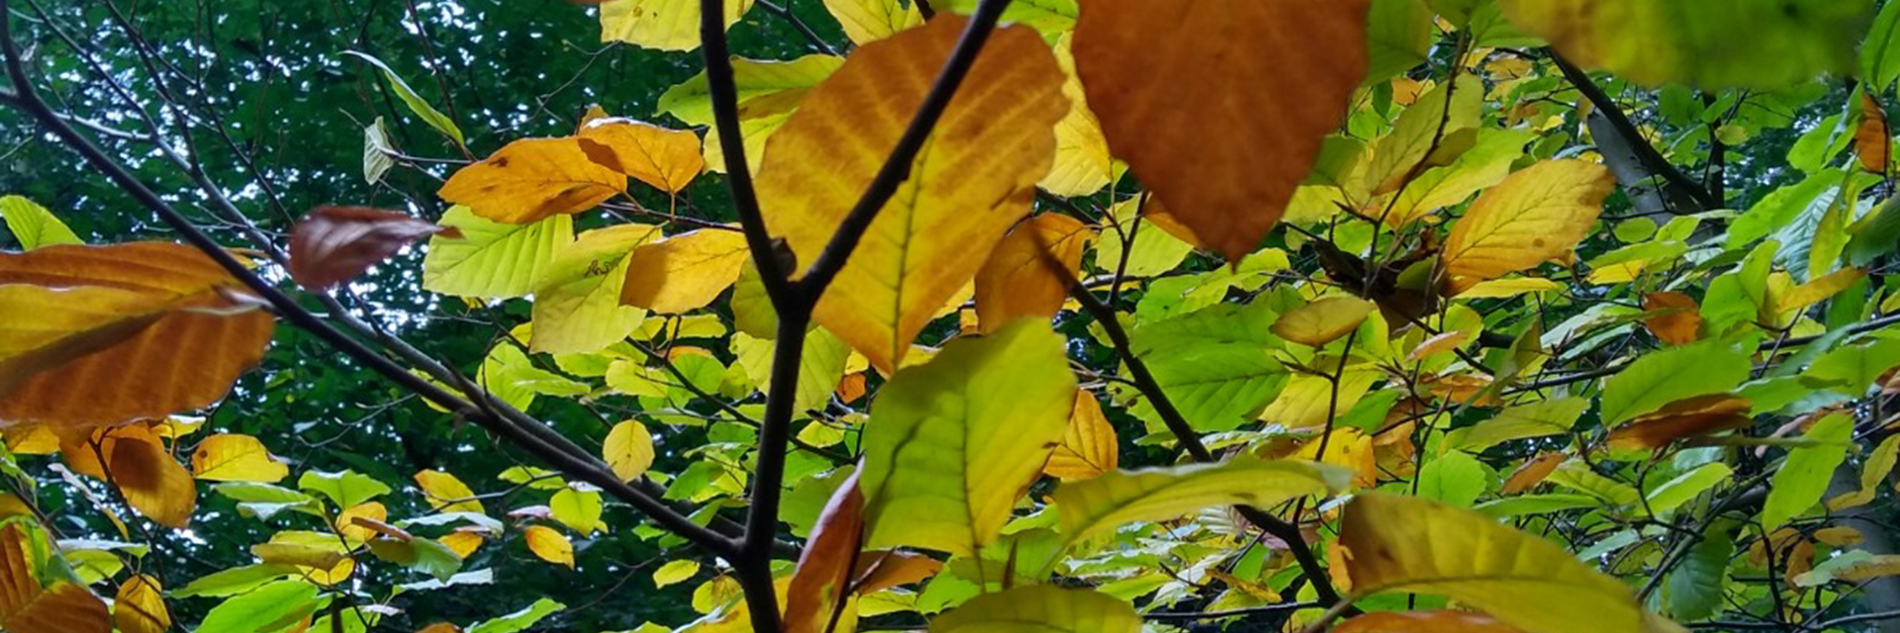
1873, 141
1532, 473
333, 245
878, 571
1674, 317
1442, 621
1700, 415
825, 566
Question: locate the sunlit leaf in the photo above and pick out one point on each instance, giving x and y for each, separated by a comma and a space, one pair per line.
668, 25
33, 225
1534, 215
1090, 447
1022, 278
683, 272
491, 259
666, 159
1040, 609
1106, 502
231, 457
628, 449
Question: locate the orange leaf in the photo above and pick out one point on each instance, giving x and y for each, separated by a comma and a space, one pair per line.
667, 159
1535, 215
133, 458
28, 607
683, 272
878, 571
1090, 448
1532, 473
333, 245
534, 178
1442, 621
1699, 415
1873, 141
1676, 320
826, 564
1220, 106
1022, 277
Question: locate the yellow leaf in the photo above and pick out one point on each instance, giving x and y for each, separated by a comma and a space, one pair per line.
1872, 473
32, 439
1347, 448
1421, 129
1241, 131
1441, 621
867, 21
1040, 609
577, 301
628, 449
550, 545
674, 572
668, 25
1501, 288
1090, 448
447, 493
953, 442
1154, 494
1409, 544
972, 181
140, 606
1021, 280
1534, 215
667, 159
1815, 291
684, 272
1323, 320
535, 178
1873, 142
462, 543
26, 606
135, 460
228, 457
346, 524
1083, 165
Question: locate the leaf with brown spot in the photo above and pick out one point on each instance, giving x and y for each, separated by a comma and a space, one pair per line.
824, 568
333, 245
667, 159
1090, 447
534, 178
1029, 272
1688, 417
233, 457
26, 606
1675, 317
1220, 106
1532, 472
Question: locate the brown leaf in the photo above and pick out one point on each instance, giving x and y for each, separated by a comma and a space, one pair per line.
1021, 278
28, 607
1873, 141
1220, 105
1689, 417
333, 245
1532, 473
1440, 621
534, 178
826, 564
878, 571
1675, 319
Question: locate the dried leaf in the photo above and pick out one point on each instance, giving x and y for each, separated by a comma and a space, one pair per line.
333, 245
1688, 417
1676, 317
825, 567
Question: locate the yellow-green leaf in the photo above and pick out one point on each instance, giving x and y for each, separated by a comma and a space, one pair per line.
629, 450
493, 260
1040, 609
668, 25
229, 457
1534, 215
684, 272
867, 21
577, 303
674, 572
33, 225
578, 510
1323, 320
1125, 496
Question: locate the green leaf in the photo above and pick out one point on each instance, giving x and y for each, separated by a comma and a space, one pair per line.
1154, 251
493, 260
1801, 480
578, 510
33, 225
1536, 504
1694, 590
346, 488
1090, 506
1454, 479
266, 500
233, 581
1399, 35
820, 369
1670, 375
577, 300
1665, 498
691, 101
1877, 235
951, 443
1052, 18
420, 106
1851, 369
1040, 609
266, 608
519, 620
1536, 419
1880, 52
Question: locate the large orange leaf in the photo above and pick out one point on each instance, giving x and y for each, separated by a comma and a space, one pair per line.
825, 566
1219, 106
99, 335
28, 607
133, 458
1022, 278
666, 159
972, 181
534, 178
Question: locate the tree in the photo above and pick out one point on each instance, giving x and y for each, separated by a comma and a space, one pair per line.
1109, 315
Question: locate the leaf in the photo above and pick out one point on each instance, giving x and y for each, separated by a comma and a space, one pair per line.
1873, 141
1399, 37
1148, 252
1423, 128
1759, 44
1851, 369
1487, 163
333, 245
92, 333
684, 272
668, 25
1089, 448
1534, 215
577, 305
27, 606
1440, 621
667, 159
1676, 321
628, 450
418, 105
820, 367
1454, 479
578, 510
1879, 55
1874, 236
535, 178
233, 581
1670, 375
1040, 609
1664, 499
1874, 471
1532, 472
1408, 544
134, 459
1022, 279
447, 493
674, 572
34, 226
1689, 417
229, 457
825, 566
970, 183
493, 260
140, 606
867, 21
277, 602
1216, 365
549, 545
878, 571
1502, 288
1224, 170
377, 150
1694, 590
1104, 503
953, 442
346, 489
1051, 17
1801, 480
1083, 165
1323, 321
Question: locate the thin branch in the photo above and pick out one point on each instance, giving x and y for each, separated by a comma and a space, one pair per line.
1228, 613
724, 92
1645, 152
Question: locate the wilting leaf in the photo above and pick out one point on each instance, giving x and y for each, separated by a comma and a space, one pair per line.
825, 567
1408, 544
491, 259
953, 442
1801, 480
1225, 170
33, 225
549, 545
1688, 417
577, 303
1711, 44
229, 457
1534, 215
1089, 449
27, 606
684, 272
971, 182
534, 178
1323, 320
1441, 621
667, 159
447, 493
628, 449
1020, 279
668, 25
1106, 502
140, 606
333, 245
1676, 319
1040, 609
867, 21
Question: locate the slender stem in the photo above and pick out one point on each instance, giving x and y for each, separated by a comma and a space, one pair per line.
724, 93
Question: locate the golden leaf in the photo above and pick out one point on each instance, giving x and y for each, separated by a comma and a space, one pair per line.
1534, 215
550, 545
1323, 320
667, 159
28, 607
140, 606
1090, 447
534, 178
684, 272
229, 457
447, 493
1020, 279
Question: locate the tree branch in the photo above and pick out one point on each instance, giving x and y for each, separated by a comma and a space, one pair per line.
1651, 159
